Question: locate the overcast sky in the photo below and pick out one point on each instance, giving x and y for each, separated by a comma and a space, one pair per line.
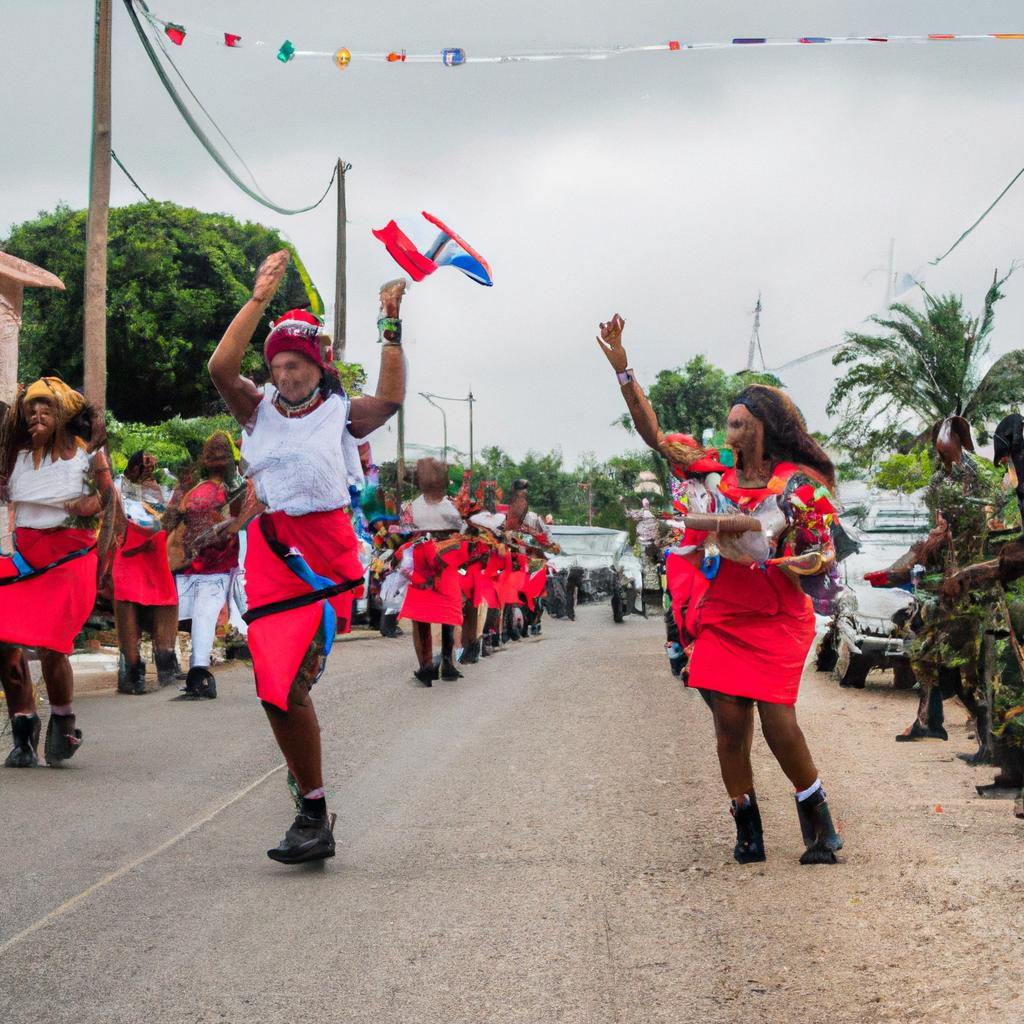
669, 187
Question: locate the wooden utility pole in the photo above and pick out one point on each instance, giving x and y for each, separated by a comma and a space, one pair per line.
340, 280
95, 335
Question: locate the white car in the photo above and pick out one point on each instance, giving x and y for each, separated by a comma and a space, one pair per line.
594, 548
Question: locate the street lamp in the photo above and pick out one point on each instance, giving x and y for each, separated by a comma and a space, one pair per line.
445, 398
444, 421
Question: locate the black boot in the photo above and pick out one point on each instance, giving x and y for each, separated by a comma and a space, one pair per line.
389, 625
749, 847
25, 731
448, 669
62, 739
200, 683
137, 677
124, 676
426, 674
311, 837
166, 667
471, 654
820, 837
936, 715
485, 646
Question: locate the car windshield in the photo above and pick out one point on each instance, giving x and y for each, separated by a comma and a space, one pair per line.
590, 543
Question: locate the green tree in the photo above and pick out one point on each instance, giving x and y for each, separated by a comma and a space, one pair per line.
905, 473
928, 365
176, 277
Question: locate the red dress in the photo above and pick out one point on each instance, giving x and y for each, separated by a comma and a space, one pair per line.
142, 572
753, 625
435, 590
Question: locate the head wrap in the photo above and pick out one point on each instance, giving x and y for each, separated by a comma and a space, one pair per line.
296, 331
52, 389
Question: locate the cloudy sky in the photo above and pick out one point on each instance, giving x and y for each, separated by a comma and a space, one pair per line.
669, 187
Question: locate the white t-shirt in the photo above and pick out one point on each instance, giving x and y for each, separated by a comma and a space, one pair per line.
39, 495
440, 515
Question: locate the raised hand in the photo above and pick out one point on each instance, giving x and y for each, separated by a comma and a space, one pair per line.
270, 275
391, 293
610, 343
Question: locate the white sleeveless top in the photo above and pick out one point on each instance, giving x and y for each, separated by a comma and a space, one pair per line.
39, 495
302, 464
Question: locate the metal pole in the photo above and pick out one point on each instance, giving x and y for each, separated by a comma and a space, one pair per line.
471, 400
400, 460
95, 333
340, 272
444, 421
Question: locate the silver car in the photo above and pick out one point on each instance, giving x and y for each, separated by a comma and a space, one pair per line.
870, 627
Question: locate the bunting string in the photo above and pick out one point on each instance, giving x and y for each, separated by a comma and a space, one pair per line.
456, 56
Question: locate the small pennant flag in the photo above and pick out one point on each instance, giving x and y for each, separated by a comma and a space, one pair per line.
176, 33
232, 40
419, 247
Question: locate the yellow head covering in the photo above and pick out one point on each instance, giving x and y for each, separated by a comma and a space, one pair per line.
53, 389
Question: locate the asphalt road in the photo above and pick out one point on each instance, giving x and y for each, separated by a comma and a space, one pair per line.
544, 840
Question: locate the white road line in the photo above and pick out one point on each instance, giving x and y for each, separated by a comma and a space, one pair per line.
106, 880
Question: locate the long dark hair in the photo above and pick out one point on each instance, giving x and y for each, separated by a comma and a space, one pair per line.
785, 433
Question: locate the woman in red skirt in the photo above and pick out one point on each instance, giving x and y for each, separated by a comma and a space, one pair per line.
768, 545
58, 485
144, 588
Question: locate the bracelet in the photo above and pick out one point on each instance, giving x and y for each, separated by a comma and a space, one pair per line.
389, 325
626, 377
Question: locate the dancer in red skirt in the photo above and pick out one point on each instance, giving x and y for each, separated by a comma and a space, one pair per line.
143, 585
58, 485
302, 565
431, 561
768, 544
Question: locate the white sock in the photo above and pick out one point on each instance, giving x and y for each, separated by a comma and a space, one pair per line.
60, 709
809, 791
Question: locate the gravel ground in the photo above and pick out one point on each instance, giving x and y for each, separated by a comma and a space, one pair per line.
544, 840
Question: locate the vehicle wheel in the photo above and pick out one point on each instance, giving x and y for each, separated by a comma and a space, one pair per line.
852, 670
903, 677
827, 655
617, 607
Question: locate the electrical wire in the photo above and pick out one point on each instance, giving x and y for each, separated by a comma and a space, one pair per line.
939, 259
201, 135
127, 174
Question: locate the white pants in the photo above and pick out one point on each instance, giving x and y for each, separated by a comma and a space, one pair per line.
201, 598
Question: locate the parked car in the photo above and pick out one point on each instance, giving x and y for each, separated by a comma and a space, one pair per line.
598, 551
869, 629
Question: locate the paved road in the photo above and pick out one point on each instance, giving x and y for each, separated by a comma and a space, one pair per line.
545, 840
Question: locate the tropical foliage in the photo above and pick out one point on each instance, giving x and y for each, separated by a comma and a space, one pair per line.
927, 365
176, 277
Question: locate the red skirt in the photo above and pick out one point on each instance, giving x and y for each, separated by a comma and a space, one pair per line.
48, 611
753, 629
279, 642
142, 573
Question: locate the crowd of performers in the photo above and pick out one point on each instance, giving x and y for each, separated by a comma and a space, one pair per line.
284, 547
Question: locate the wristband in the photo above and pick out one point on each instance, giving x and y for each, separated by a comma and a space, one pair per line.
389, 325
626, 377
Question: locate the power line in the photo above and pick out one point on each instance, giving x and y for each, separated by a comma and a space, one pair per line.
127, 174
201, 135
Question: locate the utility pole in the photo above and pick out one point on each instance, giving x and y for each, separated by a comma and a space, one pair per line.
589, 488
340, 272
471, 400
755, 337
95, 333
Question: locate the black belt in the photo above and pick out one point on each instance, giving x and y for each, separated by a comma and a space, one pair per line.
8, 580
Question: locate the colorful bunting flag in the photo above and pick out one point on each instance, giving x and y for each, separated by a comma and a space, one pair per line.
176, 33
230, 39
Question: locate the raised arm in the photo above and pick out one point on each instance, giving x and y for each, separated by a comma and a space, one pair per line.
370, 412
225, 365
640, 409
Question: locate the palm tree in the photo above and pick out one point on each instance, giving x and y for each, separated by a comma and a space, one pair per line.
928, 365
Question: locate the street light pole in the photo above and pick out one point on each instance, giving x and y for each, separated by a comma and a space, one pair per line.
471, 400
444, 421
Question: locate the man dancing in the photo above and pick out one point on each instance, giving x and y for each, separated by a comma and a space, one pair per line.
299, 443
